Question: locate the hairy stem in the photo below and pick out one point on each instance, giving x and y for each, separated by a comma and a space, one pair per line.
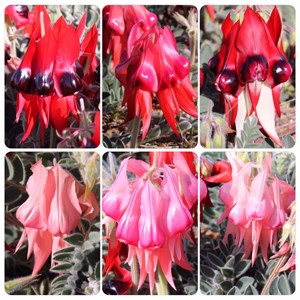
274, 273
135, 274
135, 129
161, 283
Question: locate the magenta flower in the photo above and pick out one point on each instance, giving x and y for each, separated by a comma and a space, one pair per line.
256, 205
52, 210
147, 210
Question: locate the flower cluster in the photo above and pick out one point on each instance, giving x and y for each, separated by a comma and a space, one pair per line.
53, 209
149, 65
51, 73
256, 204
147, 210
250, 69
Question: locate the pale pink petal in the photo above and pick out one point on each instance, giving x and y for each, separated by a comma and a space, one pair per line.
65, 210
42, 250
188, 181
203, 190
33, 212
116, 200
89, 206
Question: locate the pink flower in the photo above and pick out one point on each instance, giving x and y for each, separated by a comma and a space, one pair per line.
256, 205
148, 209
52, 210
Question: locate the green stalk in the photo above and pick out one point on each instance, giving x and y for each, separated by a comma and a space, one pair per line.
135, 274
161, 283
135, 129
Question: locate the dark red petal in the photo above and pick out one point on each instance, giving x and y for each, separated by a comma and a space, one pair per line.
81, 26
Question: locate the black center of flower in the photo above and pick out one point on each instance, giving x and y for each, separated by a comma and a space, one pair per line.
254, 68
227, 82
22, 10
281, 71
44, 84
20, 79
213, 64
70, 83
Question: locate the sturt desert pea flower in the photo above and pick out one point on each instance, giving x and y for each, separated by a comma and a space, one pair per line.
256, 204
154, 66
147, 209
118, 21
50, 74
21, 16
52, 210
250, 69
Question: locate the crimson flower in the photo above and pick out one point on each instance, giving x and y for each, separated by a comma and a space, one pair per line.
118, 21
154, 67
147, 209
250, 69
51, 73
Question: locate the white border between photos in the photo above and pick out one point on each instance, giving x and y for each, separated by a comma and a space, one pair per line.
101, 150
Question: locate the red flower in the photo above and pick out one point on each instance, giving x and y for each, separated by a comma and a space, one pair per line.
51, 73
118, 21
251, 65
154, 66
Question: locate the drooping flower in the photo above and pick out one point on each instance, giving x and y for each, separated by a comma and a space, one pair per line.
51, 73
154, 66
21, 16
52, 210
147, 209
256, 205
250, 69
118, 20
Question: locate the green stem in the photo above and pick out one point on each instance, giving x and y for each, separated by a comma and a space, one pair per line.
135, 130
52, 138
161, 283
135, 274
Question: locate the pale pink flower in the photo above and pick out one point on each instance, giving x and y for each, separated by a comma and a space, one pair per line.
52, 210
153, 213
256, 205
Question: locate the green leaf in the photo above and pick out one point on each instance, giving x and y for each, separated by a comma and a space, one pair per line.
244, 282
75, 239
226, 286
65, 250
97, 271
59, 280
242, 267
94, 237
207, 271
227, 272
85, 224
19, 168
288, 142
292, 281
230, 260
63, 257
65, 267
273, 290
251, 290
9, 169
184, 126
44, 287
12, 193
283, 285
234, 291
215, 260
